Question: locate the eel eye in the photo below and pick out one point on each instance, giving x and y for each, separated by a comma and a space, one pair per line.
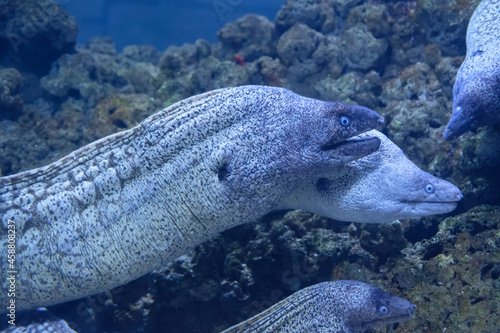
383, 310
429, 188
345, 121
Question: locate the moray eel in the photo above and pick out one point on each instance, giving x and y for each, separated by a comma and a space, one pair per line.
381, 187
476, 93
130, 203
335, 307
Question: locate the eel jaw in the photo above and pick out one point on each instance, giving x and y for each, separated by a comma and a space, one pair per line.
423, 208
458, 125
353, 148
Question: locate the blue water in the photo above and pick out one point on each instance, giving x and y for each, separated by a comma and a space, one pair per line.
161, 22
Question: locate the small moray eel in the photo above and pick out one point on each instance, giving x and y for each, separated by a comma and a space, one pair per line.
335, 307
130, 203
381, 187
476, 93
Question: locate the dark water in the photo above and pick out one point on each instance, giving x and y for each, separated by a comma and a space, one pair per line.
161, 22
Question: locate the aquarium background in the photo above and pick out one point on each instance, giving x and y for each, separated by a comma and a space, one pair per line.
161, 22
399, 58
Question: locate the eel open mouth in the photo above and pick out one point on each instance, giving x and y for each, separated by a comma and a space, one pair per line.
355, 146
458, 125
432, 207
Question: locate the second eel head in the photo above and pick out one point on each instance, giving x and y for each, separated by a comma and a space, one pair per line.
476, 102
380, 187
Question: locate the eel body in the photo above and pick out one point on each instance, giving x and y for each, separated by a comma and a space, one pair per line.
476, 93
381, 187
335, 307
129, 203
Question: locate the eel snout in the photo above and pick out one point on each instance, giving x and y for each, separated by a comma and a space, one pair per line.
402, 310
458, 125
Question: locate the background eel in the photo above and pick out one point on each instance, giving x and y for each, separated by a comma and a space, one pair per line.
129, 203
381, 187
336, 307
476, 93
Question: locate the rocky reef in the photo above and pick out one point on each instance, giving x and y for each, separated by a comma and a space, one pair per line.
396, 57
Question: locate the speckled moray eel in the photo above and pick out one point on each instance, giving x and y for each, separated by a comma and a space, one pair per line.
335, 307
476, 93
381, 187
339, 306
127, 204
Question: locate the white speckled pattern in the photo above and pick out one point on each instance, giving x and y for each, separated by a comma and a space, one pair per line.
329, 307
129, 203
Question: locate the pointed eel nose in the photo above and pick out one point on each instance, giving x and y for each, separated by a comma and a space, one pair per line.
411, 311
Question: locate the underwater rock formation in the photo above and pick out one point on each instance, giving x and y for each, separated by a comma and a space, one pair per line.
11, 104
251, 37
34, 33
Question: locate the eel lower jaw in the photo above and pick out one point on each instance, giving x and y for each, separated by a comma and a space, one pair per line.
458, 125
432, 207
390, 320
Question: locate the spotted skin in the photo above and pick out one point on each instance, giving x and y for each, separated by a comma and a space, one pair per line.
330, 307
130, 203
381, 187
476, 93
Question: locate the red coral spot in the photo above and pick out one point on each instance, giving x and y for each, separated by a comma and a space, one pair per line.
239, 60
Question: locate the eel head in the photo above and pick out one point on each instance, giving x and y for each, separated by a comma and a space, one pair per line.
333, 141
380, 187
381, 309
476, 103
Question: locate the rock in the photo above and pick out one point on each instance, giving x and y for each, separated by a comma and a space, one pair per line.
446, 70
298, 43
11, 103
417, 108
360, 49
453, 277
344, 6
251, 37
432, 55
384, 239
315, 14
175, 57
302, 50
353, 87
34, 33
117, 113
213, 74
143, 77
140, 53
373, 16
445, 24
267, 71
72, 75
89, 75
